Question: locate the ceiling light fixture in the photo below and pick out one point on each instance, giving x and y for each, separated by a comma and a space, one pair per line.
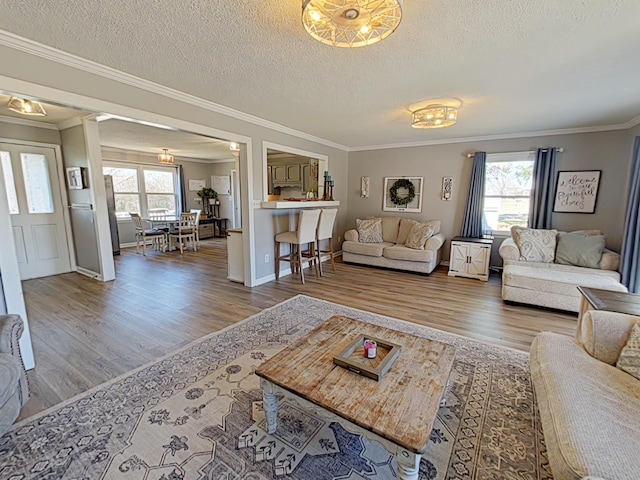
234, 147
165, 158
26, 107
351, 23
435, 116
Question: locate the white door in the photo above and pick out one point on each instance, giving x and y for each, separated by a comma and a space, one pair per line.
32, 186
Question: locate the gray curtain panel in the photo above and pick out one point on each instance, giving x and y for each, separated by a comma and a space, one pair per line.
473, 216
631, 242
182, 198
544, 188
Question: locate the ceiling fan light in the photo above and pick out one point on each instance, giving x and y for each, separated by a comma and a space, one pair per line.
434, 116
165, 158
26, 107
351, 23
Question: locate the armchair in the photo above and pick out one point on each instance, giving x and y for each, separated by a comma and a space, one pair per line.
14, 387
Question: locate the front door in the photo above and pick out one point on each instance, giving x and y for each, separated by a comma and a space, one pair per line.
31, 182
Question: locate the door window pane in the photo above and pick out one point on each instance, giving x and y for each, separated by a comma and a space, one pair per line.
126, 203
9, 183
164, 203
37, 183
158, 182
125, 180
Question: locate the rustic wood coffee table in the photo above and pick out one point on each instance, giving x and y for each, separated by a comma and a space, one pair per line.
610, 301
398, 411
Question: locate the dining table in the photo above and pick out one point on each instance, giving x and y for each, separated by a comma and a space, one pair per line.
167, 222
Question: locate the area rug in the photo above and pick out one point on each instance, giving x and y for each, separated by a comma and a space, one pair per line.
197, 414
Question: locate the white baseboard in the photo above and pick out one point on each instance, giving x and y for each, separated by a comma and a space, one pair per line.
89, 273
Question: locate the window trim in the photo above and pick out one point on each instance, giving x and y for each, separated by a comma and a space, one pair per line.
142, 193
528, 156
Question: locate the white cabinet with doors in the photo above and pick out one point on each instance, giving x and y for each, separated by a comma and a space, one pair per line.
470, 257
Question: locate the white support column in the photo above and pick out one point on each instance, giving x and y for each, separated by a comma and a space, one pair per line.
96, 179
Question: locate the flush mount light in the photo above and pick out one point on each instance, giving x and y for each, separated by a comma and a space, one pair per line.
165, 158
435, 116
26, 107
351, 23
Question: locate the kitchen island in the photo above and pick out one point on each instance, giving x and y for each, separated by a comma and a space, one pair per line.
302, 203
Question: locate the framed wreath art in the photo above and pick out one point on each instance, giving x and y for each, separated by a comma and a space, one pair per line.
402, 194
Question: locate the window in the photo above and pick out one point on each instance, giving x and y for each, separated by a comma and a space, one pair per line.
160, 188
9, 183
507, 190
35, 171
144, 190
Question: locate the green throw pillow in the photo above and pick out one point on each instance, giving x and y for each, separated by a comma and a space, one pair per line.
579, 249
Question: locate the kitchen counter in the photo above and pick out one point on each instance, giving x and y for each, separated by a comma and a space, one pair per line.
282, 204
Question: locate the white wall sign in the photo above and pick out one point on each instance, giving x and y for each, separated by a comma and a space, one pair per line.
577, 191
196, 185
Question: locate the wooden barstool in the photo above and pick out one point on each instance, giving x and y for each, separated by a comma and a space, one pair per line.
325, 231
306, 233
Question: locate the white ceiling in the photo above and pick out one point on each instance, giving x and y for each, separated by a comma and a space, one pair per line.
517, 65
142, 138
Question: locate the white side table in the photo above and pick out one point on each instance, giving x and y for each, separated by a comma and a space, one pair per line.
470, 257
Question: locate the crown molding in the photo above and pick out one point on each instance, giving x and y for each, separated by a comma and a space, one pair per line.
31, 47
506, 136
70, 123
155, 156
28, 123
633, 122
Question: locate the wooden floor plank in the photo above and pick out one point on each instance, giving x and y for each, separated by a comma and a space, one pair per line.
86, 332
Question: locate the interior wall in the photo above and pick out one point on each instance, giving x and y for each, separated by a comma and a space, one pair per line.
83, 220
606, 151
29, 134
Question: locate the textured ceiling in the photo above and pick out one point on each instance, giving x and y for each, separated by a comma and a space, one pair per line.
516, 65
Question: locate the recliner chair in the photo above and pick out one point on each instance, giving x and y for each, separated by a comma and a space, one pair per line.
14, 388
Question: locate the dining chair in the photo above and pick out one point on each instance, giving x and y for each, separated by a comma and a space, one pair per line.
198, 215
185, 232
305, 234
325, 232
158, 238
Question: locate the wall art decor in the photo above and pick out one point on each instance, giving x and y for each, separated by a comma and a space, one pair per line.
577, 191
75, 178
364, 187
447, 188
402, 194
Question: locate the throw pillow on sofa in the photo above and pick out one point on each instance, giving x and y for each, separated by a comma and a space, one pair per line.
629, 360
369, 230
419, 235
536, 245
580, 249
406, 224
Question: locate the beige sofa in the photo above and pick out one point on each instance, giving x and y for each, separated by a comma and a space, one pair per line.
553, 285
389, 254
589, 409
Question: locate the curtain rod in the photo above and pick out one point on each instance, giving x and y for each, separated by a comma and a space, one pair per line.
560, 150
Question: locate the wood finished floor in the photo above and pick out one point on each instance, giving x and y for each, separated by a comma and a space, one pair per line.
86, 332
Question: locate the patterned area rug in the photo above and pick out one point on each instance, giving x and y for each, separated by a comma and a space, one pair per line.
197, 414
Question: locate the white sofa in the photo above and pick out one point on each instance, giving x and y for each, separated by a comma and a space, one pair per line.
589, 409
389, 254
553, 285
